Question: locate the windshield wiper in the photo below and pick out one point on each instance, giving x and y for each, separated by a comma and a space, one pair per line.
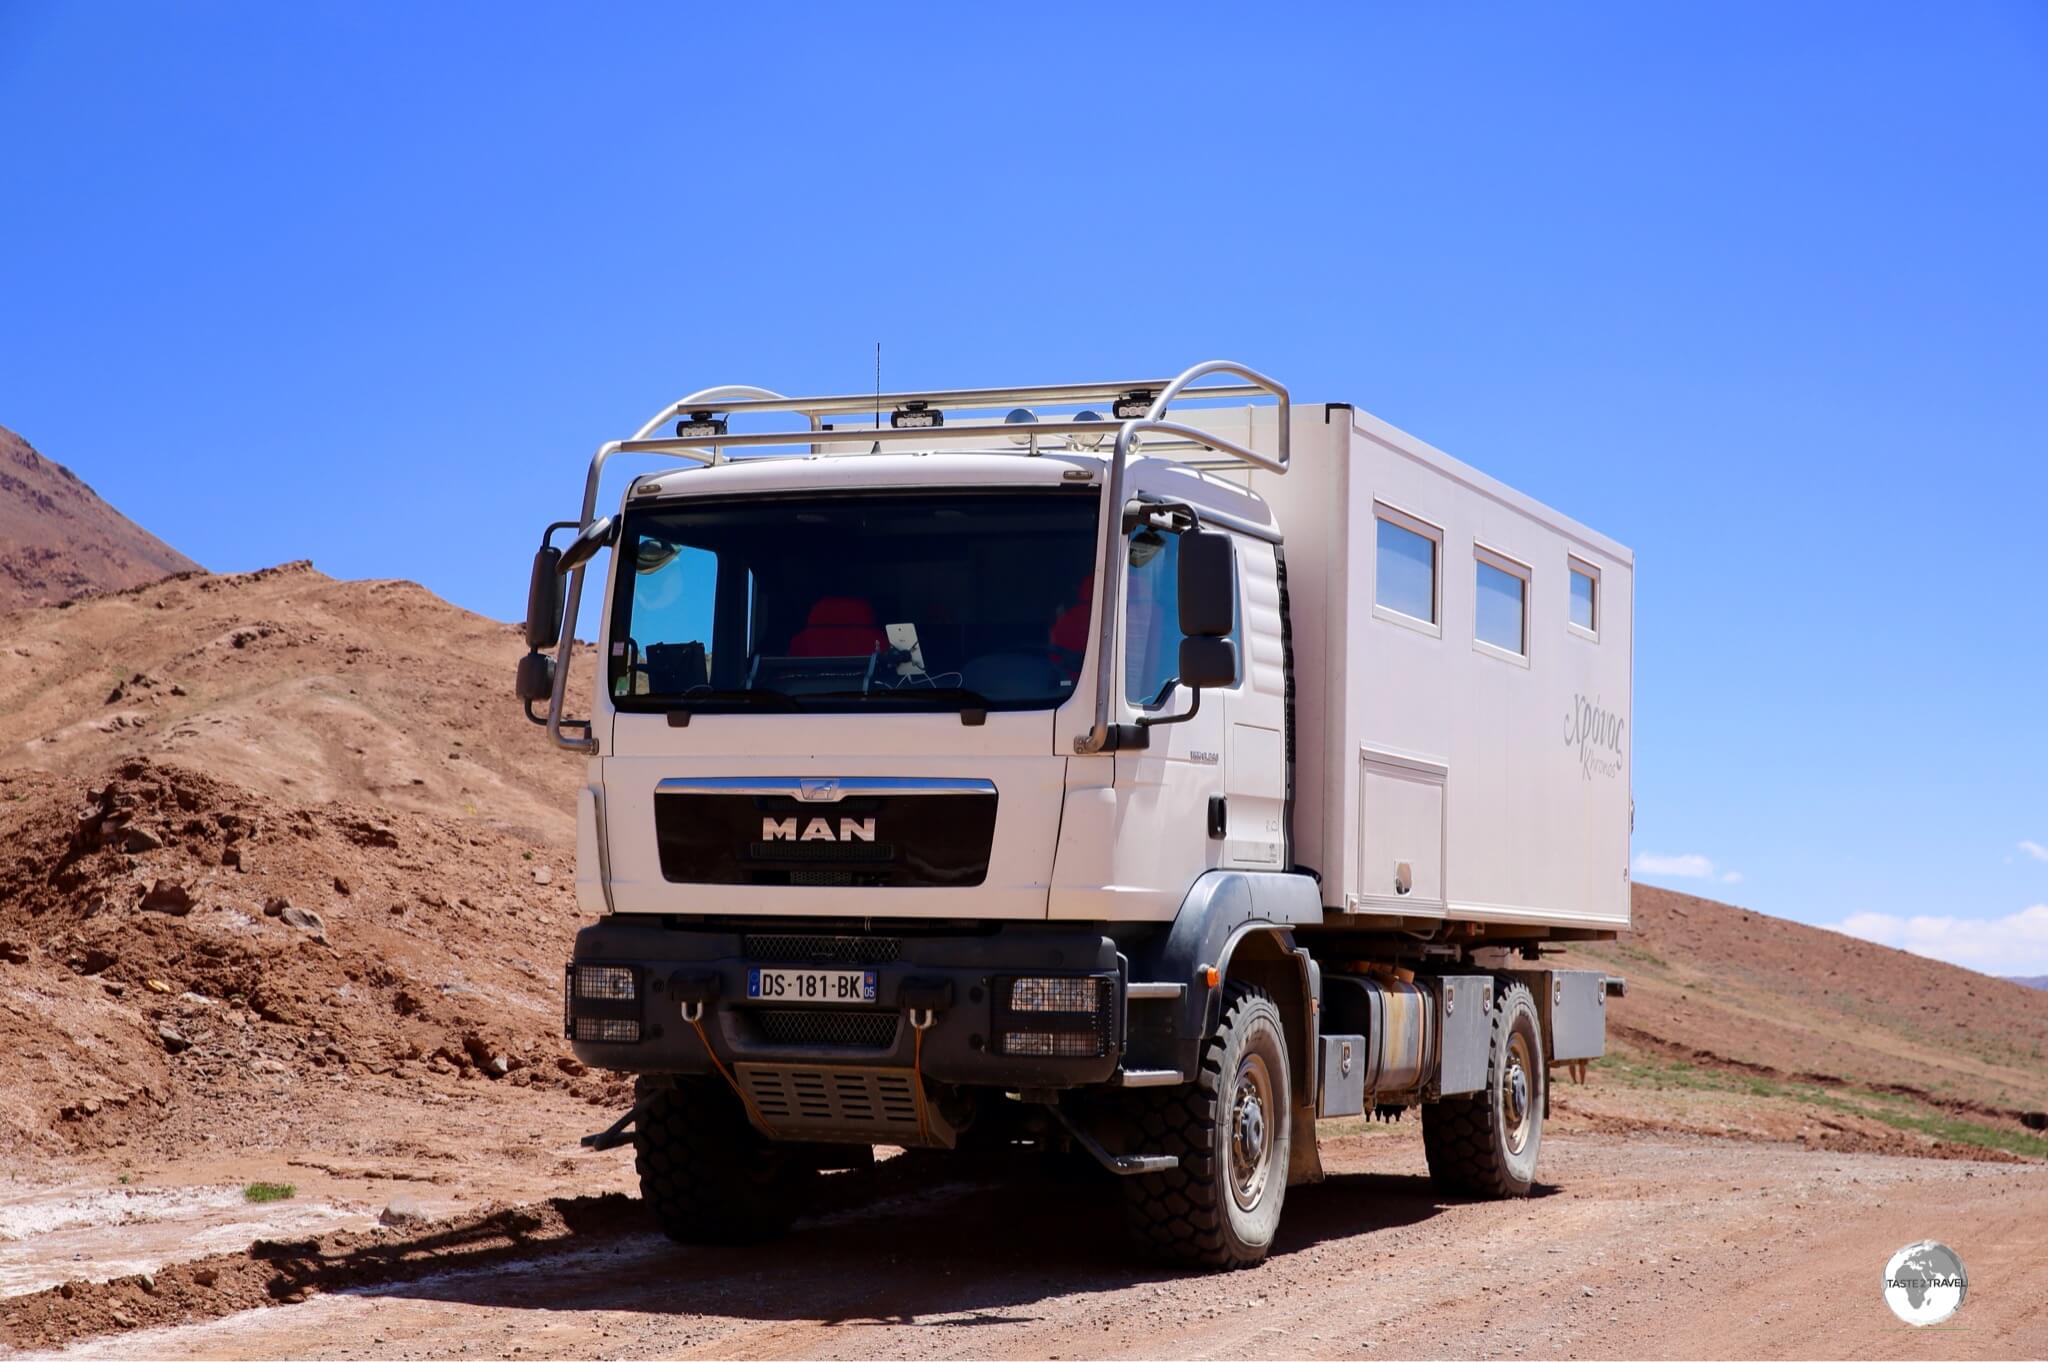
679, 715
974, 706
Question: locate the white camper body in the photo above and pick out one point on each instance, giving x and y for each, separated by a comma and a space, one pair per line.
1439, 775
1218, 766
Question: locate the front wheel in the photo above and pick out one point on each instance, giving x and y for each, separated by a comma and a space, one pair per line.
1230, 1129
707, 1175
1486, 1144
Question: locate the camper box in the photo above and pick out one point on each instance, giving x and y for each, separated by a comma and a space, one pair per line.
1462, 666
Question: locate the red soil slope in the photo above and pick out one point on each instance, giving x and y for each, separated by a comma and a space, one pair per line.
59, 541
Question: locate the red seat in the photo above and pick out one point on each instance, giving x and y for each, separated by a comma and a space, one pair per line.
1069, 636
838, 626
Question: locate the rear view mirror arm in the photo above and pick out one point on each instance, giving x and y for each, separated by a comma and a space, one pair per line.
1194, 708
566, 648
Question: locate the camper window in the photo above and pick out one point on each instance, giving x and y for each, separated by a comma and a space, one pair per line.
1405, 569
1585, 617
1500, 615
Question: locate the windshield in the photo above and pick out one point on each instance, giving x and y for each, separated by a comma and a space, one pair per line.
952, 600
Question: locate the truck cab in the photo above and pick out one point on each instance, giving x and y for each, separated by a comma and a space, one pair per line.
942, 793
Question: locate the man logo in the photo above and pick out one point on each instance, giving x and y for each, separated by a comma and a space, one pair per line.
818, 830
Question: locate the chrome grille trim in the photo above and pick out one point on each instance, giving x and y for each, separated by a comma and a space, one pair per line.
823, 789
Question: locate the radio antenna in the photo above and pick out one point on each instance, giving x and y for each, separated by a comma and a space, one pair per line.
878, 385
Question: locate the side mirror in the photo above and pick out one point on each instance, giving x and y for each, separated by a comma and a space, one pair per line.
1207, 587
584, 546
536, 682
544, 599
1208, 663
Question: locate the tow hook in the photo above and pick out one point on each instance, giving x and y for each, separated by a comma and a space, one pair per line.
614, 1135
1123, 1165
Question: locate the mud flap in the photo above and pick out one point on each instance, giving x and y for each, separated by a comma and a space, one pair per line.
1304, 1158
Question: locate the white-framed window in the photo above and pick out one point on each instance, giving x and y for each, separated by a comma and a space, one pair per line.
1407, 570
1500, 608
1584, 578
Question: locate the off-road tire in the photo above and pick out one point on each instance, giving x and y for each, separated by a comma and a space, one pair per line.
706, 1174
1192, 1214
1471, 1142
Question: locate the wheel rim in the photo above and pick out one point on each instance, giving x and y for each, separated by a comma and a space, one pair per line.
1518, 1106
1251, 1131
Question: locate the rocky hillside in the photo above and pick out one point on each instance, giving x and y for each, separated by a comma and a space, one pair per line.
59, 541
268, 842
1711, 982
293, 686
1738, 1023
183, 960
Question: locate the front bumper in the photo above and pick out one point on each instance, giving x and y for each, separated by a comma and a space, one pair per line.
960, 977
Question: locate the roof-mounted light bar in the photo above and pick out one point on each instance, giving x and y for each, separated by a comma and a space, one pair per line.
704, 425
1134, 404
917, 416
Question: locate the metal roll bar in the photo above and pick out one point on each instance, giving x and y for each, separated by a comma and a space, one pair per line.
565, 648
740, 399
1154, 423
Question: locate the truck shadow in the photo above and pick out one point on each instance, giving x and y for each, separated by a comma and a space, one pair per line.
947, 1242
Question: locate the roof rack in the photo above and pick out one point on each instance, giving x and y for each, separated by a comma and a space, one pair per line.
704, 415
712, 408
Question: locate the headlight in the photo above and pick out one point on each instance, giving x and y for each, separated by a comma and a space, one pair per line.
619, 1030
605, 983
1055, 1016
1051, 1044
1068, 994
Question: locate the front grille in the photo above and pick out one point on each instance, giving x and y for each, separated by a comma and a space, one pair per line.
778, 948
876, 841
861, 1030
840, 1101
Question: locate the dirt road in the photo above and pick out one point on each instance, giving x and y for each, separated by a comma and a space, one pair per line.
1637, 1247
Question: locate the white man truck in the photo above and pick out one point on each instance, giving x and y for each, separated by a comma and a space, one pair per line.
1140, 771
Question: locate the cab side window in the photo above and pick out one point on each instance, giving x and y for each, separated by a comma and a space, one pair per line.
1152, 618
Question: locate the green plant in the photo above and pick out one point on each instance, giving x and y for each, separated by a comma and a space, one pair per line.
269, 1191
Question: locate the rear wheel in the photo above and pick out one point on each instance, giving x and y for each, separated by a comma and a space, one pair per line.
1230, 1130
707, 1175
1486, 1144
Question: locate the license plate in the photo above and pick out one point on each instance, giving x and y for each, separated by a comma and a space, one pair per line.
811, 985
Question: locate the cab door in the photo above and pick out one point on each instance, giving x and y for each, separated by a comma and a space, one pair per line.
1170, 831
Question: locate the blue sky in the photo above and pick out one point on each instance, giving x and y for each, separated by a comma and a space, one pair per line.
1760, 290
